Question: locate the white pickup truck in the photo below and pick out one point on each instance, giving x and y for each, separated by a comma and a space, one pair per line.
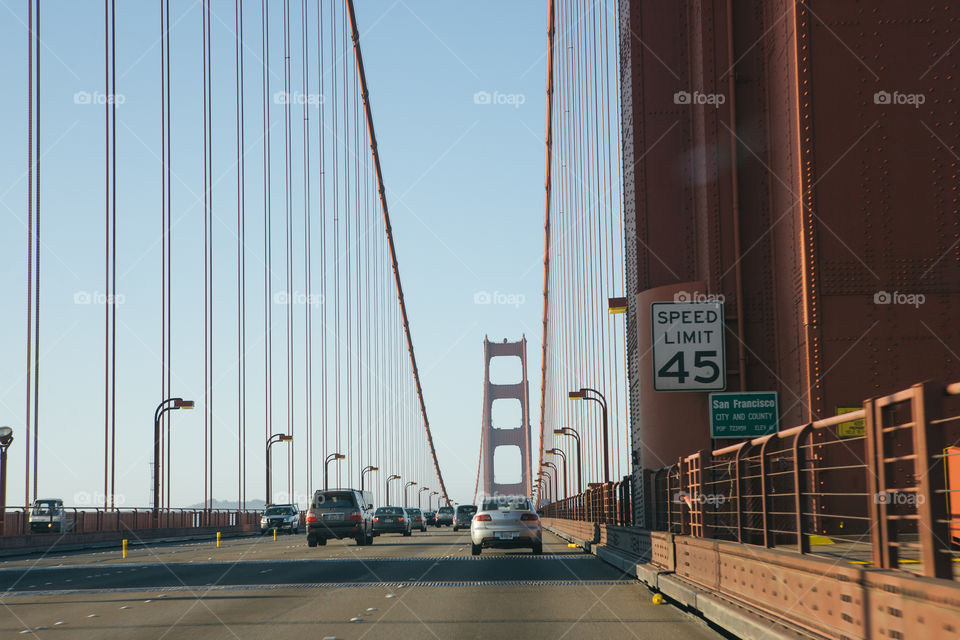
49, 516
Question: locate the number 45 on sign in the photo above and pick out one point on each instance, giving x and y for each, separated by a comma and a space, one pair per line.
688, 346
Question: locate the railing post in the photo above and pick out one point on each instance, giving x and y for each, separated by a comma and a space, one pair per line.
884, 555
803, 542
930, 474
769, 540
739, 499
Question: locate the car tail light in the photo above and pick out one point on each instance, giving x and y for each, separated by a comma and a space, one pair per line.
483, 518
356, 516
311, 517
399, 519
529, 516
376, 519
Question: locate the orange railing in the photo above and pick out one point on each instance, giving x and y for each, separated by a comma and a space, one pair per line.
91, 520
877, 486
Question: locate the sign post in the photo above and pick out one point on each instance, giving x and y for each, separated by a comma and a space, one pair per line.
688, 346
749, 414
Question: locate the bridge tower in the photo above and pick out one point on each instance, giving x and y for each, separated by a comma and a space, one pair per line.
518, 436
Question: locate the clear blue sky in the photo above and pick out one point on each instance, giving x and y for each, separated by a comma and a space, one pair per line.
465, 184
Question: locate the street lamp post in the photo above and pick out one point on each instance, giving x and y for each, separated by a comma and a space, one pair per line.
326, 467
170, 404
6, 438
602, 401
272, 440
420, 496
393, 477
545, 478
365, 470
559, 452
570, 431
553, 467
430, 500
409, 484
541, 489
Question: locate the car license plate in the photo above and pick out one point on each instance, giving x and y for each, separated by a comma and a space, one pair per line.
506, 535
388, 519
333, 516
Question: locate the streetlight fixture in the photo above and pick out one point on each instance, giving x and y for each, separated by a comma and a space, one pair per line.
326, 467
409, 484
6, 438
272, 440
556, 474
420, 495
170, 404
570, 431
393, 477
430, 500
365, 470
563, 456
541, 489
602, 401
543, 478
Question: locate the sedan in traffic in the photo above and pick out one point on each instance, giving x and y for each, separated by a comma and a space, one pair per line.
506, 523
391, 520
416, 519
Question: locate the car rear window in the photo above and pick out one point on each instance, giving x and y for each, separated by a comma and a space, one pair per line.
506, 504
446, 510
334, 500
389, 511
467, 510
279, 511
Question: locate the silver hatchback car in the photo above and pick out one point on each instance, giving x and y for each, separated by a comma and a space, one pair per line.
506, 522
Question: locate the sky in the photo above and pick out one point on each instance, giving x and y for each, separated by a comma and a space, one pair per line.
458, 99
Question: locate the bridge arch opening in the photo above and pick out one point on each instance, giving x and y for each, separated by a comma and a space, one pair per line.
507, 465
506, 370
506, 414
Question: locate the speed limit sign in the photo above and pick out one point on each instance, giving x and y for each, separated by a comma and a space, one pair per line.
688, 346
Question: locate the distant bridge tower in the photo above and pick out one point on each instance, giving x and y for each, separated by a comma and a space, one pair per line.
518, 436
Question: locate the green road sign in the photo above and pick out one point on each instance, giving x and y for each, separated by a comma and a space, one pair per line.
743, 415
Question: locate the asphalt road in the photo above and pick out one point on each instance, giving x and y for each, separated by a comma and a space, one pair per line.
426, 586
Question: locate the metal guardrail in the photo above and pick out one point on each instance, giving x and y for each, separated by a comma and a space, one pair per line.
93, 520
872, 486
608, 503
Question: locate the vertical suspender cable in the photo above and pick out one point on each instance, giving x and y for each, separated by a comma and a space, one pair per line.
111, 299
267, 266
307, 244
163, 242
288, 219
30, 234
336, 241
347, 249
322, 195
36, 273
241, 268
106, 250
169, 201
206, 277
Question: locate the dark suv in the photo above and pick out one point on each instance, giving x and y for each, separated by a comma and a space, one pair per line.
280, 516
463, 516
340, 513
444, 516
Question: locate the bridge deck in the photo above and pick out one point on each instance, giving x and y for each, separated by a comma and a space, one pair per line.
424, 586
